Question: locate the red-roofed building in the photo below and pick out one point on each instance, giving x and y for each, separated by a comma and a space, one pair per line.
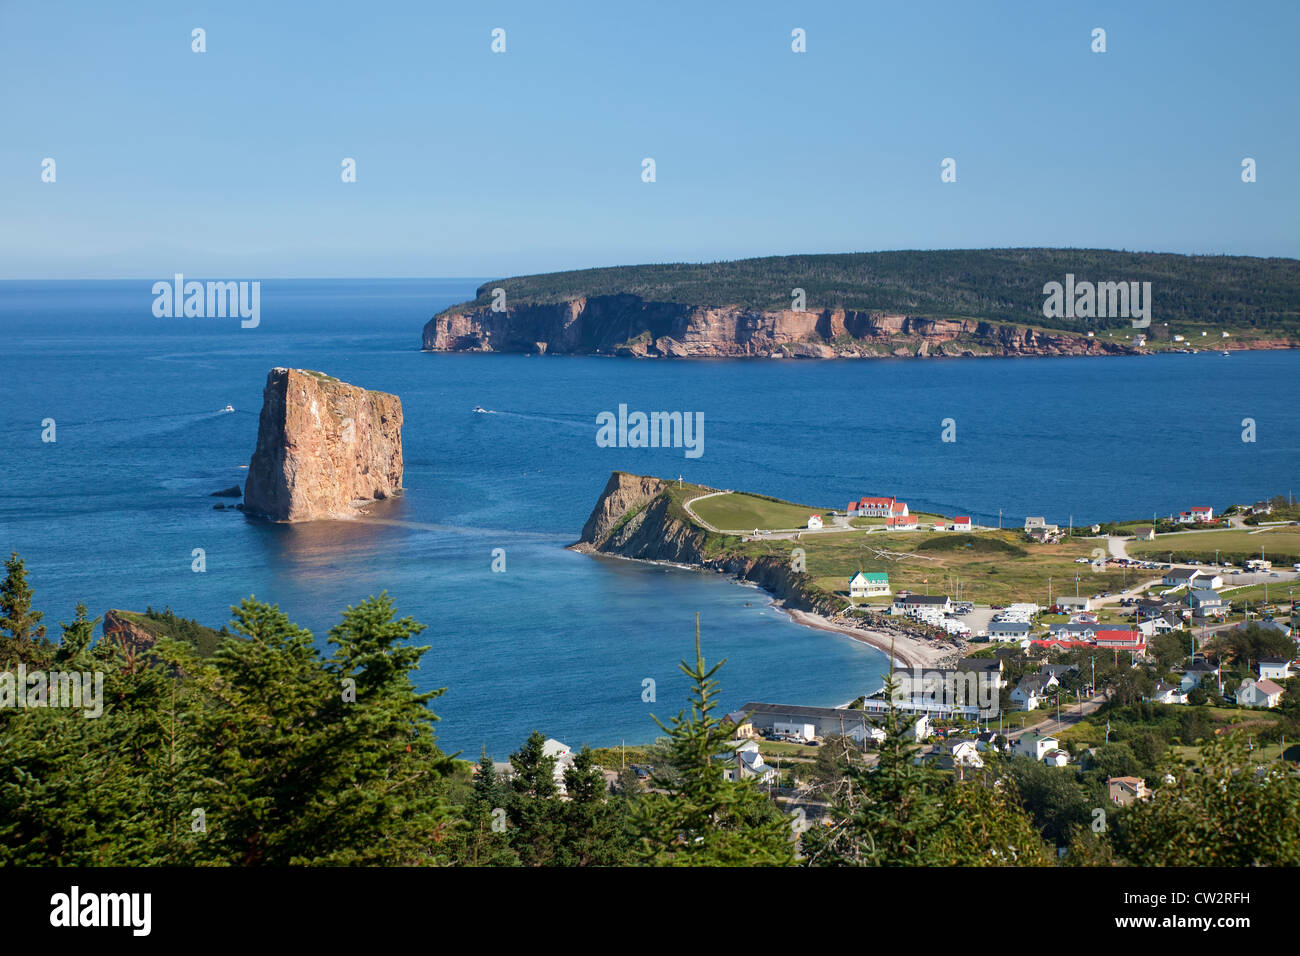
1196, 515
1050, 642
877, 508
961, 523
901, 522
1124, 640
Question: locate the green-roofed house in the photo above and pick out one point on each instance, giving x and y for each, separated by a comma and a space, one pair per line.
868, 584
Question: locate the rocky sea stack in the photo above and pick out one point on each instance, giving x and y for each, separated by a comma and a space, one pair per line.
324, 447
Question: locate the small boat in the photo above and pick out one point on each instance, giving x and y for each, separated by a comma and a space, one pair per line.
1225, 353
481, 410
229, 408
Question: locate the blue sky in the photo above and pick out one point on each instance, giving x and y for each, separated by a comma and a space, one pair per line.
470, 163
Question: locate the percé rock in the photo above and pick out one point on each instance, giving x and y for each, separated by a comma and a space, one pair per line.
627, 325
323, 448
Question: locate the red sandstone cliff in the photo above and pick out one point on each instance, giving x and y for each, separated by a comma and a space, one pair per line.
323, 447
629, 325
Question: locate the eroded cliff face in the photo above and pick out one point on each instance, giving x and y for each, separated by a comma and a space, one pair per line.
628, 325
324, 447
128, 633
633, 519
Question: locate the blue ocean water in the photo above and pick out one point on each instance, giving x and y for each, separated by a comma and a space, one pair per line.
110, 513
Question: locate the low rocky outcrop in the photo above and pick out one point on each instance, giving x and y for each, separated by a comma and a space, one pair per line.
324, 447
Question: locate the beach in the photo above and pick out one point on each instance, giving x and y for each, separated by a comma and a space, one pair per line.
907, 651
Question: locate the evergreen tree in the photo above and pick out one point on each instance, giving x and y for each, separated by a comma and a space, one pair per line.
704, 819
296, 771
1237, 811
535, 814
20, 623
484, 839
594, 823
77, 636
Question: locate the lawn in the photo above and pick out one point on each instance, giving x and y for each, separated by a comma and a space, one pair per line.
744, 512
1279, 544
990, 567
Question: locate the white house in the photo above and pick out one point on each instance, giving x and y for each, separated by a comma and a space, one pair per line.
877, 508
864, 734
1056, 758
563, 758
1032, 689
957, 753
1179, 577
1069, 604
901, 522
1204, 601
814, 522
1144, 534
1168, 694
1008, 631
1258, 693
746, 763
965, 753
921, 729
868, 583
910, 602
1201, 673
961, 523
1275, 668
1075, 631
1034, 745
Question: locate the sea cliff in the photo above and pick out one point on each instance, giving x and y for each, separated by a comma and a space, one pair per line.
323, 448
637, 517
627, 325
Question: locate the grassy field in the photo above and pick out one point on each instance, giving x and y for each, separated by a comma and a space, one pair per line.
744, 512
1281, 545
991, 567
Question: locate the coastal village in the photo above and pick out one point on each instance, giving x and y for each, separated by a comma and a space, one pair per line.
1094, 635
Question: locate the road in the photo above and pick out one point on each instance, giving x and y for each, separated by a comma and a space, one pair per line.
1049, 723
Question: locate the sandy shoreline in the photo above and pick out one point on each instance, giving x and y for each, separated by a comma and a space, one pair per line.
908, 651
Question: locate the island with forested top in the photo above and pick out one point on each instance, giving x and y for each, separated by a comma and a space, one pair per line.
978, 302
